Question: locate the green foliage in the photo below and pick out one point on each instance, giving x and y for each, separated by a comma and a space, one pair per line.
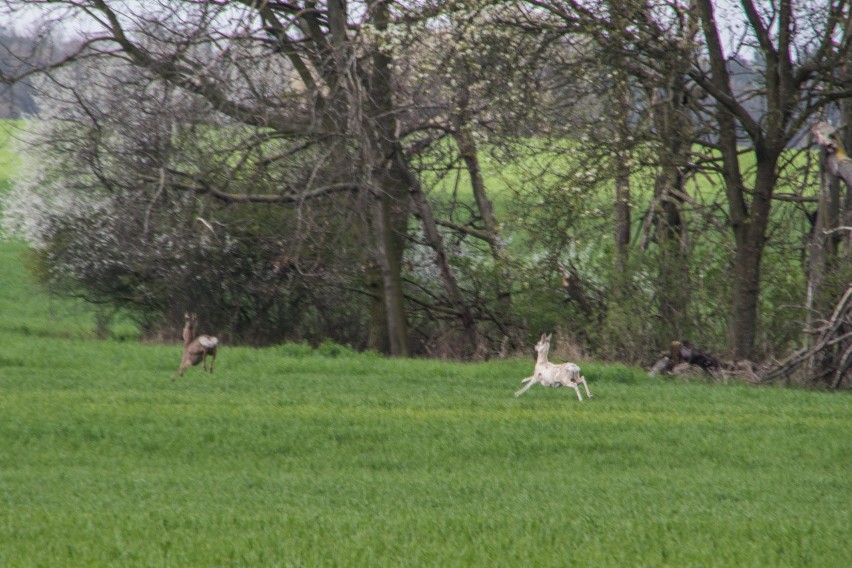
562, 211
294, 350
327, 349
125, 242
552, 209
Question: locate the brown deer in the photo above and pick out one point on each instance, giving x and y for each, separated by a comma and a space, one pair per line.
195, 349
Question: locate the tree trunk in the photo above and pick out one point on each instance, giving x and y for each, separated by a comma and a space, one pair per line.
389, 249
745, 288
377, 329
750, 237
747, 225
674, 129
816, 248
623, 130
622, 224
391, 211
673, 281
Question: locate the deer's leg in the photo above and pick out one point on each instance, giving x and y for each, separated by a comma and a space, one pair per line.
185, 362
532, 380
204, 360
577, 390
528, 379
212, 360
585, 386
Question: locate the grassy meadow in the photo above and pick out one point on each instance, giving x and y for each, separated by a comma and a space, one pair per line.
292, 456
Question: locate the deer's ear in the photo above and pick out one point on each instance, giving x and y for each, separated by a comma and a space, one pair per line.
548, 337
543, 337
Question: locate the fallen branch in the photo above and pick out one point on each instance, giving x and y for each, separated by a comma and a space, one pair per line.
830, 357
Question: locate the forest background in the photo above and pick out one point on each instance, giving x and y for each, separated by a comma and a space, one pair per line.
437, 178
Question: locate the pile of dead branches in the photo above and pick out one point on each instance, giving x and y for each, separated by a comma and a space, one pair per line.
685, 360
828, 361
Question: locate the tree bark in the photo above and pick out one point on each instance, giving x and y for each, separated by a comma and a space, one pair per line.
391, 211
750, 238
816, 249
622, 132
389, 255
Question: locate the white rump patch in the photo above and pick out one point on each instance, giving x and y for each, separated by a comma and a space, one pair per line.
208, 341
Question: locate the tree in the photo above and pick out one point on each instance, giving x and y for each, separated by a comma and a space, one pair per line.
797, 50
466, 77
326, 120
285, 71
107, 201
635, 121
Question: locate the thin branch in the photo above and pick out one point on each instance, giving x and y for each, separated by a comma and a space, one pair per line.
203, 188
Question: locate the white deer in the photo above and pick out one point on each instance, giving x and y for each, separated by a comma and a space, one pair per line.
195, 349
552, 375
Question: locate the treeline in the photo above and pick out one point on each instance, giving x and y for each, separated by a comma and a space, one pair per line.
446, 179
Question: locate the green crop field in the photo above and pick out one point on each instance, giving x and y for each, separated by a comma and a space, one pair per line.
293, 456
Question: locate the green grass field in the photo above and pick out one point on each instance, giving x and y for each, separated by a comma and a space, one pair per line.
290, 456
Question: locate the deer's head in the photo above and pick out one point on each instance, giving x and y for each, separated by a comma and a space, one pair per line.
543, 345
190, 323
